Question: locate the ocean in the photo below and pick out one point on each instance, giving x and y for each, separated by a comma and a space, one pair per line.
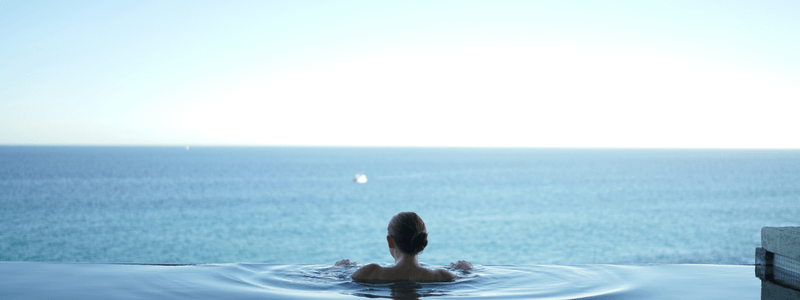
300, 205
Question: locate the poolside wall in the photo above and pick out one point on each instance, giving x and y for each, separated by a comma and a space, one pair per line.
778, 263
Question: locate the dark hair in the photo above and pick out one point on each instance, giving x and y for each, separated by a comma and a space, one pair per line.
408, 232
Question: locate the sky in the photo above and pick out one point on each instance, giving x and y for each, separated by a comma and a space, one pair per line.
629, 74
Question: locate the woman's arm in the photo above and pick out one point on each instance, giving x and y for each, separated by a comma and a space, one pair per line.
462, 265
344, 262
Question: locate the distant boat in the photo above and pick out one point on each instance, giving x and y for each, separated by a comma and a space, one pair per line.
360, 178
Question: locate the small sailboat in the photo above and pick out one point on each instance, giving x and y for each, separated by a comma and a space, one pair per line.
360, 178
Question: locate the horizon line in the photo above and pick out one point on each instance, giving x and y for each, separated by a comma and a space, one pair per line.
391, 146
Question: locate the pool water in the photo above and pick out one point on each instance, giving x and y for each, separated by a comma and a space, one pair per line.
45, 280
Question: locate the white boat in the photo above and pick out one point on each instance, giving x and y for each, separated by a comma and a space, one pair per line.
360, 178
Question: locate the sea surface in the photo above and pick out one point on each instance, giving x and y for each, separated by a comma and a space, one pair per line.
299, 205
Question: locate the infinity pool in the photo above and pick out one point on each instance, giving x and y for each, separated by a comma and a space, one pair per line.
40, 280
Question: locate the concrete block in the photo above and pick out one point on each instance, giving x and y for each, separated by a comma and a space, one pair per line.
771, 291
782, 240
764, 258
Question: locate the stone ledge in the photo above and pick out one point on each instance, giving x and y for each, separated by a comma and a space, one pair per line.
782, 240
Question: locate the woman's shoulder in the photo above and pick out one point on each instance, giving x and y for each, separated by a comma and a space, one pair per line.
367, 272
443, 275
373, 272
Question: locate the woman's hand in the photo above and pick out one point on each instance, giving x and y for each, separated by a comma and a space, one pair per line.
344, 262
462, 265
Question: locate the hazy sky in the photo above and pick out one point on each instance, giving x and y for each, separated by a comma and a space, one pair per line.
428, 73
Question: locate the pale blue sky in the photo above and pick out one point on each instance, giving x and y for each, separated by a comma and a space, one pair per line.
373, 73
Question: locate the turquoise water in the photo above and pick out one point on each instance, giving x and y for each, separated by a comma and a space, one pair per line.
299, 205
41, 280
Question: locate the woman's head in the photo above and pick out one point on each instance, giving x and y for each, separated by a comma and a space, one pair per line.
408, 233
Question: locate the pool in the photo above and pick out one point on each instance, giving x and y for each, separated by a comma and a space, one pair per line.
45, 280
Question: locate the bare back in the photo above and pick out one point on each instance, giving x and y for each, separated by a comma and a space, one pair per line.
374, 272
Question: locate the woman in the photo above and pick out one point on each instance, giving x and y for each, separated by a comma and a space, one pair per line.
407, 238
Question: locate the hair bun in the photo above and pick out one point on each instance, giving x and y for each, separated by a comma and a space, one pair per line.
419, 241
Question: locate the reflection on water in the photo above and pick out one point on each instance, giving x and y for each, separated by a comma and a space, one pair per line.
534, 282
27, 280
401, 290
